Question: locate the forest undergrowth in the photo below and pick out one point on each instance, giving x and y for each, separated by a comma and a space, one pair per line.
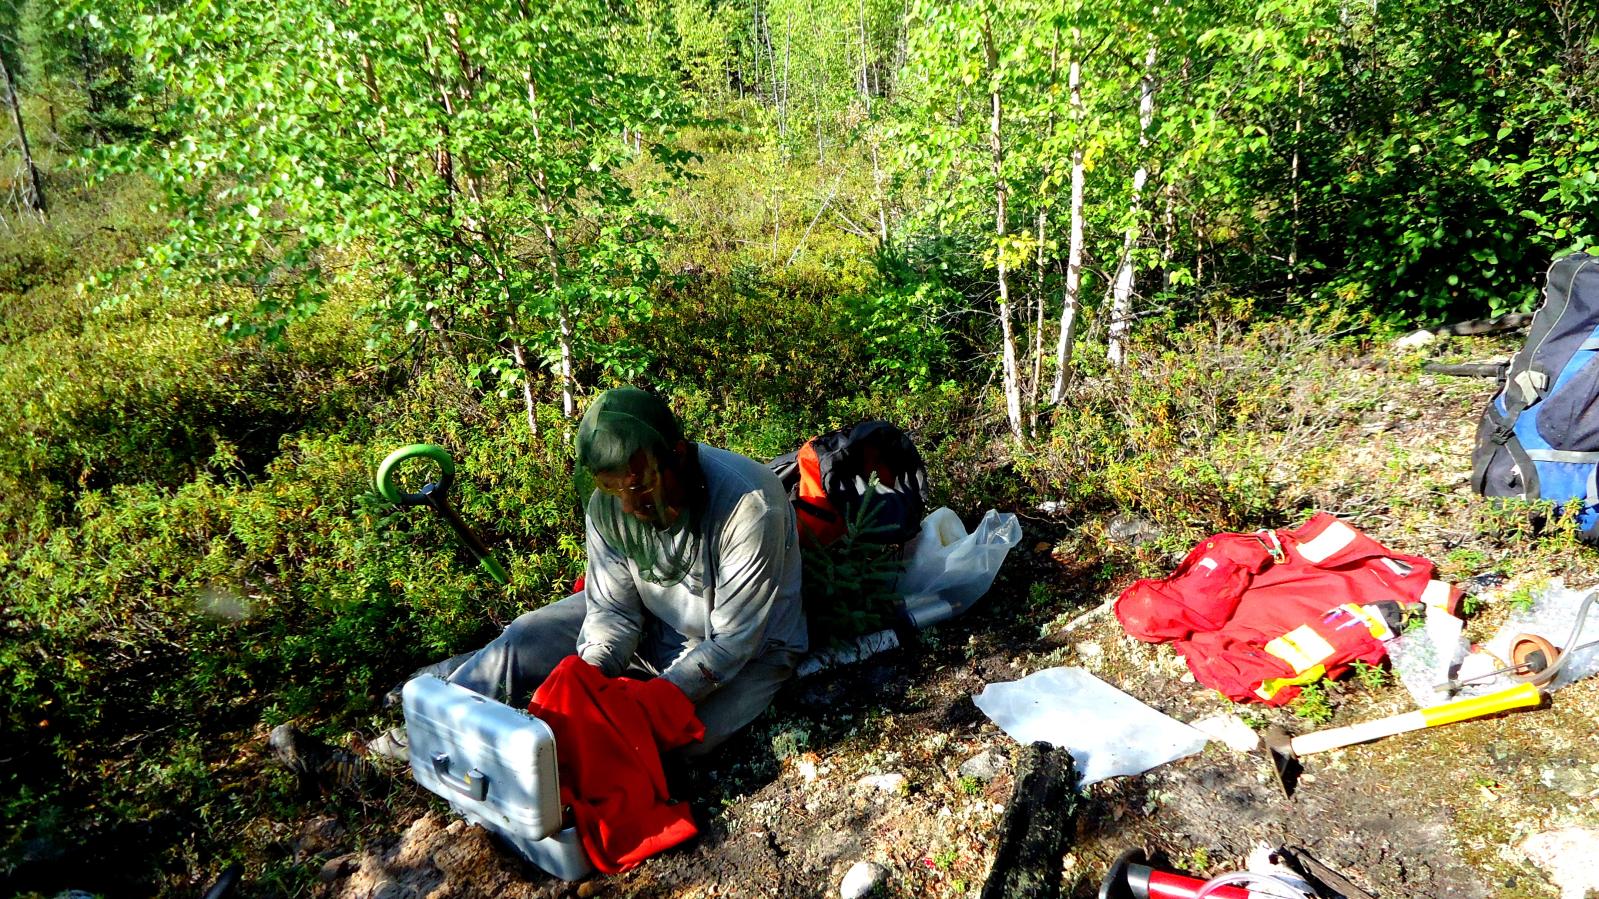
197, 556
1139, 268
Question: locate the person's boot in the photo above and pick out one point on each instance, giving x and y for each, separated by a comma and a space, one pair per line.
442, 669
317, 762
392, 744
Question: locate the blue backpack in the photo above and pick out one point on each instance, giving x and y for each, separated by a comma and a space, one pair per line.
1539, 437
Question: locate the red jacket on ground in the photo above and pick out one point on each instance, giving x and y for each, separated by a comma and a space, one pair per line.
609, 736
1257, 615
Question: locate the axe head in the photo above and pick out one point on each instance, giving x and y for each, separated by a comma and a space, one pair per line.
1128, 877
1279, 749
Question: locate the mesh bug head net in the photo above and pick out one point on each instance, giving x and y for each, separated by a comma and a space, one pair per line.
628, 441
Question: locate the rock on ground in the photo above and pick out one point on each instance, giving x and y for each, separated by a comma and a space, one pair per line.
892, 782
985, 766
861, 880
1568, 855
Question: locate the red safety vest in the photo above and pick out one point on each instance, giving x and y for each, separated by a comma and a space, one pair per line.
1258, 615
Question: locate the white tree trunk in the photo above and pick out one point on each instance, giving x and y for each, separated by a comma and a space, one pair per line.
553, 256
1293, 180
788, 43
866, 78
568, 402
996, 145
872, 137
1121, 307
1074, 257
1036, 345
520, 356
1035, 384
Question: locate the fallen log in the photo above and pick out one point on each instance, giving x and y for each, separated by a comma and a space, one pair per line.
1467, 369
1478, 327
1033, 832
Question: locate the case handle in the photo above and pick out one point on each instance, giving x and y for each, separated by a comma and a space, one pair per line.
473, 785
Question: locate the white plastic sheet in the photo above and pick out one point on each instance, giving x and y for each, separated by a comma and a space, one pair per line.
947, 569
1107, 732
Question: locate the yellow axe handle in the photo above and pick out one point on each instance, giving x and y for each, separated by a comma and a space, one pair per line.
1520, 696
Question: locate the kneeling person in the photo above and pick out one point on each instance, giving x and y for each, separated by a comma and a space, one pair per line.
693, 574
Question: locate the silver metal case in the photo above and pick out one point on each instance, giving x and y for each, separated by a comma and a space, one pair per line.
496, 767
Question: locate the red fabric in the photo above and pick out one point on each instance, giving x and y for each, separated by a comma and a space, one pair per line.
609, 735
1230, 599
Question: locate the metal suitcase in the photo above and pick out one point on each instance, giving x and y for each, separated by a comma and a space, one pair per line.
496, 767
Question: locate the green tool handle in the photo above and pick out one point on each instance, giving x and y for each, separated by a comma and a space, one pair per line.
437, 501
435, 496
384, 481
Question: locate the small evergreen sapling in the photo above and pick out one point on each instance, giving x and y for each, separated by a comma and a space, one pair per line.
849, 584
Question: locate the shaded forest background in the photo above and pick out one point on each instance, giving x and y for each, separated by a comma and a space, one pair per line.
1081, 249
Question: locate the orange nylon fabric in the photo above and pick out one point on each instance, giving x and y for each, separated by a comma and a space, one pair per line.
819, 523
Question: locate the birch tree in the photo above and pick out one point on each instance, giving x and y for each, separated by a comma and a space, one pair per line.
958, 53
1071, 289
1006, 59
1121, 309
465, 156
996, 145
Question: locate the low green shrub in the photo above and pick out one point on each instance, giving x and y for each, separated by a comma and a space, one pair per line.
146, 636
1189, 434
146, 392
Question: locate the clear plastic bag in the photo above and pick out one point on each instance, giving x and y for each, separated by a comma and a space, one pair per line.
1439, 653
1426, 657
1107, 732
947, 569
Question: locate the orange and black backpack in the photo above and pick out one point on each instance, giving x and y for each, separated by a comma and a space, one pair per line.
828, 479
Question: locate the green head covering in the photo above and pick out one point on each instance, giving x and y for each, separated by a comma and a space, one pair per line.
617, 424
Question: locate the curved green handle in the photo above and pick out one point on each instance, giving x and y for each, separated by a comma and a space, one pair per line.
384, 481
435, 496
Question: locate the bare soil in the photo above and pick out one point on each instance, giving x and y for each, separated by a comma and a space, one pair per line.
784, 812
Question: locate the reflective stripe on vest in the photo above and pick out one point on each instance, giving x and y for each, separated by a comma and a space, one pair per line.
1329, 542
1271, 686
1302, 648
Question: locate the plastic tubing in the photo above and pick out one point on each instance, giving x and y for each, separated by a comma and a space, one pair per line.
1549, 674
1256, 884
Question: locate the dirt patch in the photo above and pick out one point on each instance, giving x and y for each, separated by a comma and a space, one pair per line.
1420, 815
786, 809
